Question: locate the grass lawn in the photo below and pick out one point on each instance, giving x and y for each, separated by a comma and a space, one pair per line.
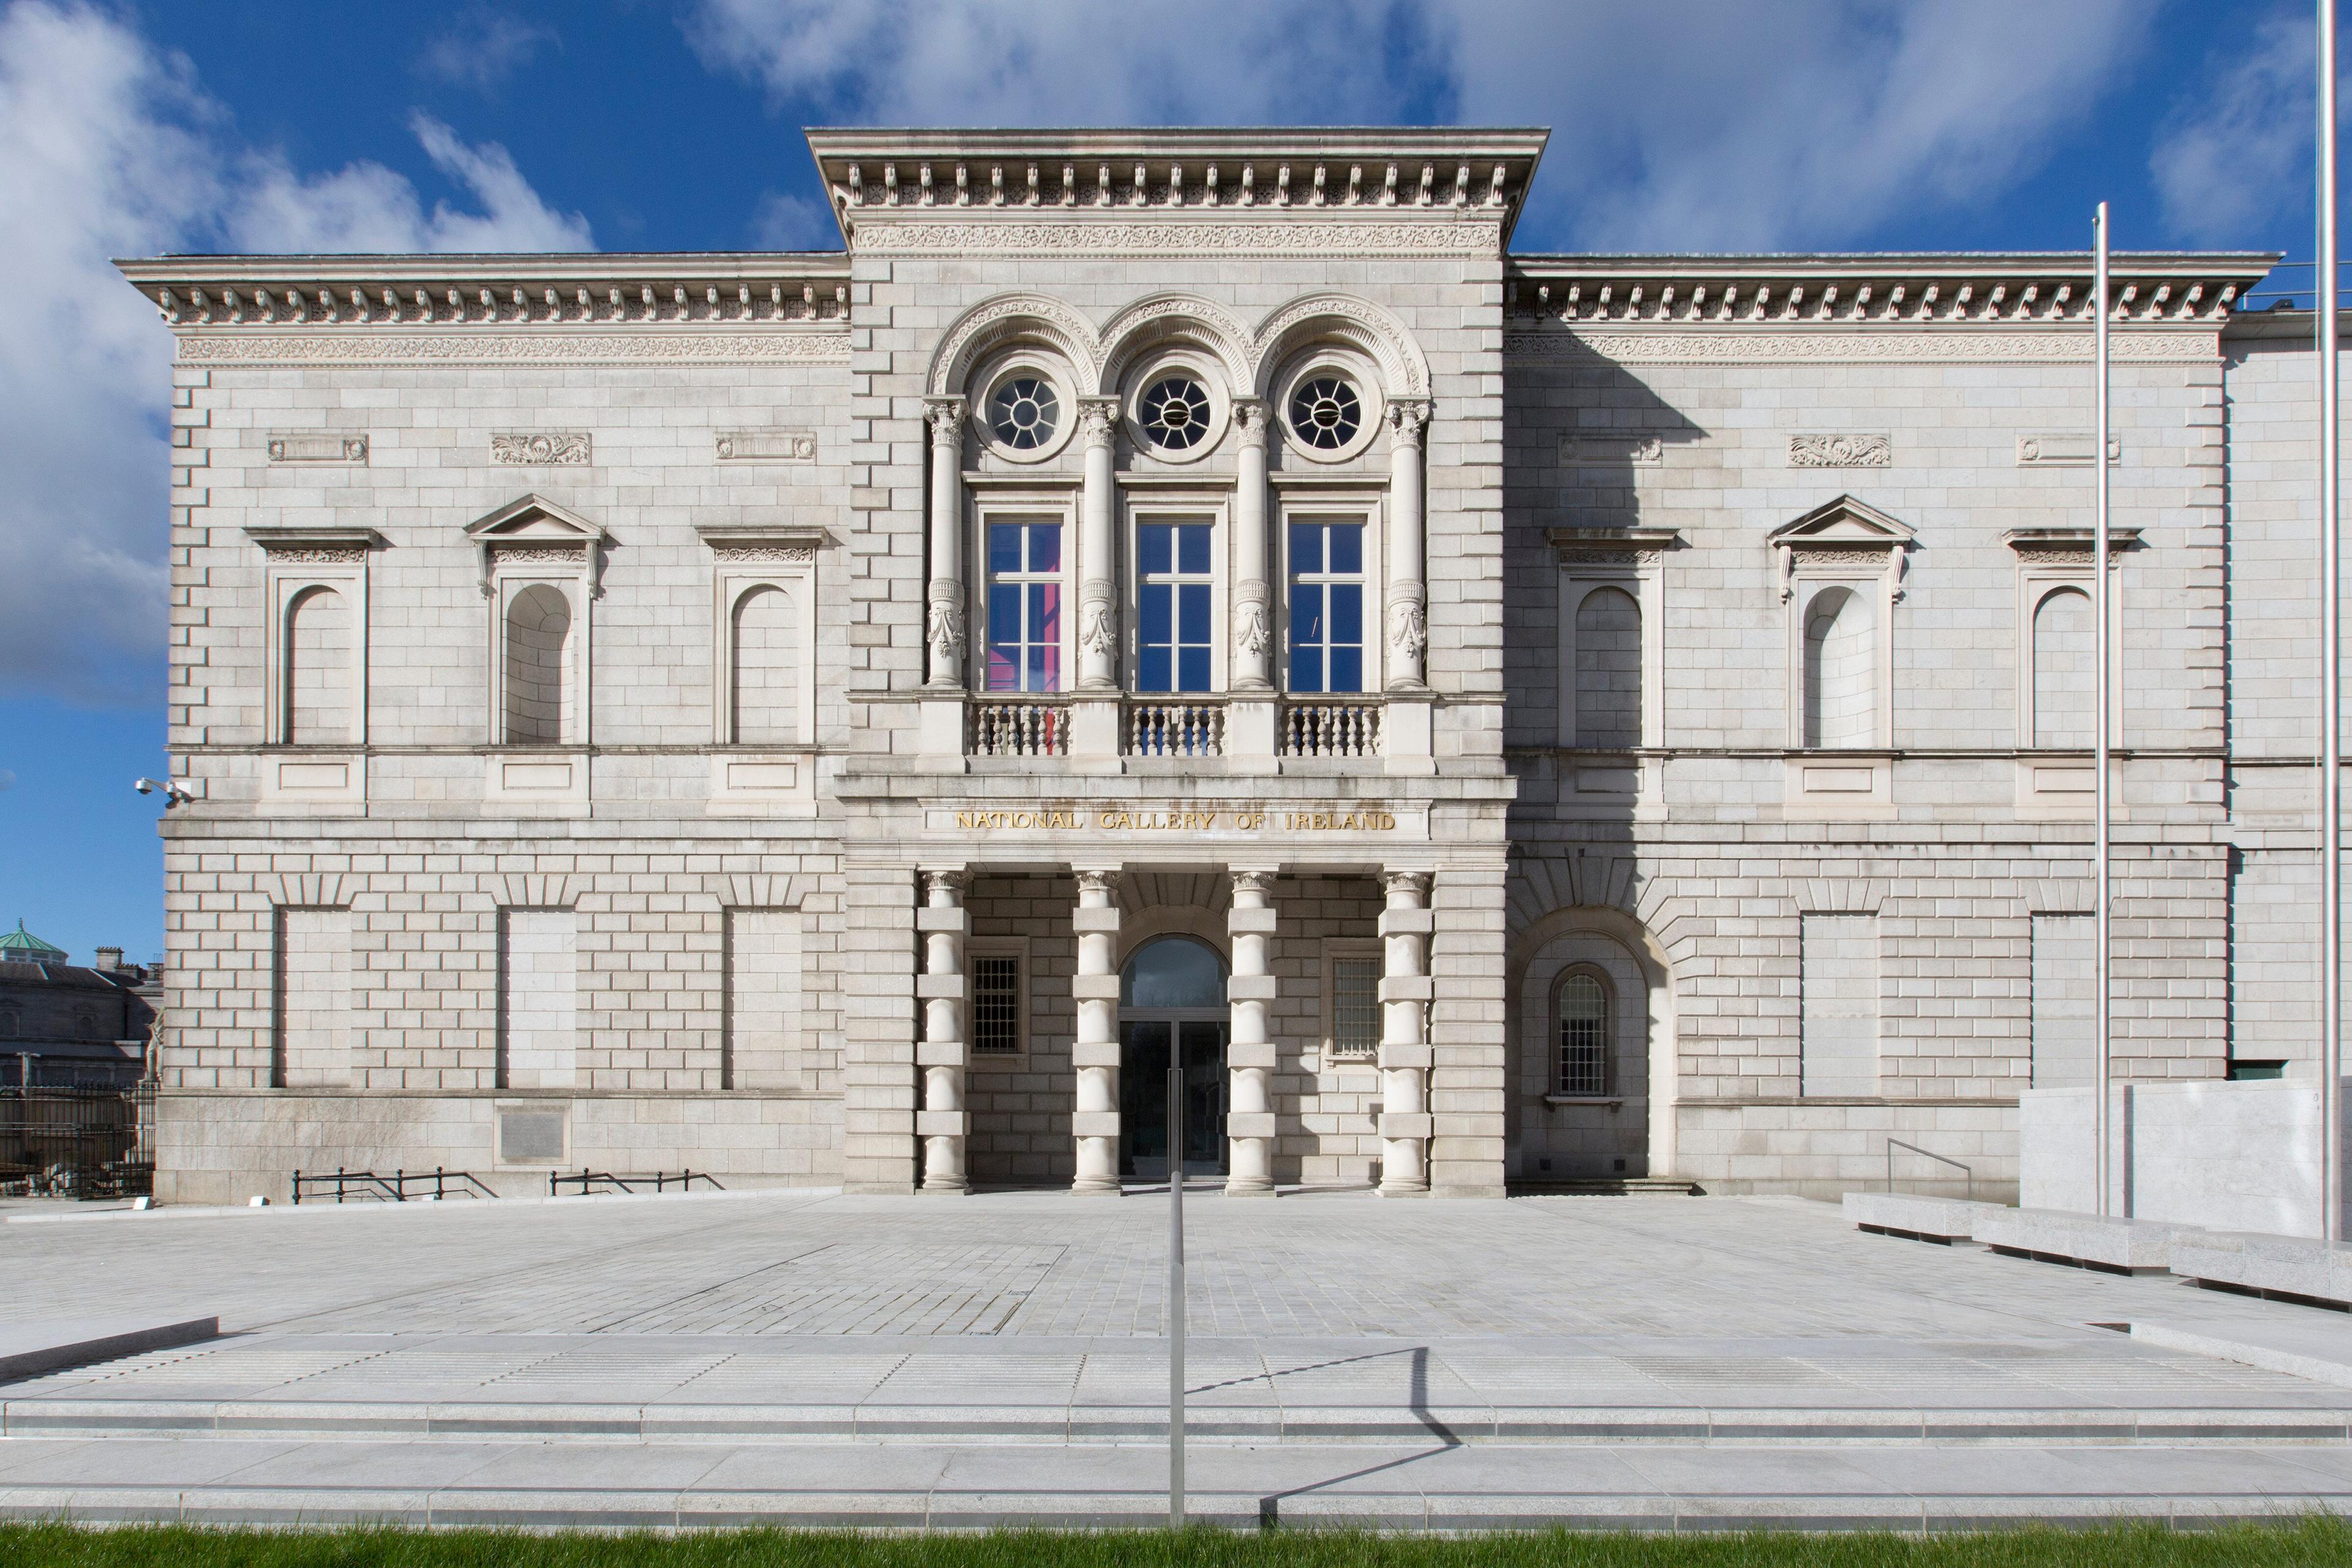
2308, 1542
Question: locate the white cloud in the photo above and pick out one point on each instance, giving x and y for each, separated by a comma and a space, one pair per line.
482, 48
366, 206
982, 62
1700, 124
2239, 157
785, 221
1799, 124
111, 147
7, 780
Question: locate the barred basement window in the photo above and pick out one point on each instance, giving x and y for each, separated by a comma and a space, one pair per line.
1355, 1006
995, 1005
1583, 1036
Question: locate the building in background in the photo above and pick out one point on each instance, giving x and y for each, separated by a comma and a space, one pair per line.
1200, 598
66, 1026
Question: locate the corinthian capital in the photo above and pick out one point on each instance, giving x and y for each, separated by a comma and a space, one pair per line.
1407, 417
945, 416
1097, 417
1250, 420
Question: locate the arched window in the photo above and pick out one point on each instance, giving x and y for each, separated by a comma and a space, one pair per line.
538, 666
766, 683
7, 1026
84, 1025
1171, 972
1840, 688
1609, 670
317, 668
2062, 671
1583, 1008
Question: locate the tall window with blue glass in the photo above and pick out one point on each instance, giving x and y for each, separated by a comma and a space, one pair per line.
1175, 582
1024, 606
1327, 606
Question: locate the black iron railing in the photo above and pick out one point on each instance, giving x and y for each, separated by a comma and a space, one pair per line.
402, 1186
587, 1181
77, 1143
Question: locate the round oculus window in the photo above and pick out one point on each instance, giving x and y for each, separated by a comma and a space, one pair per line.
1175, 413
1325, 413
1024, 413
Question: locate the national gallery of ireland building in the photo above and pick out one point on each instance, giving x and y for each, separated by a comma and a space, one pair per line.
1201, 598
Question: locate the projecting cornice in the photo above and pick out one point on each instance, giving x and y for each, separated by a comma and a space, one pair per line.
1781, 291
1177, 191
485, 293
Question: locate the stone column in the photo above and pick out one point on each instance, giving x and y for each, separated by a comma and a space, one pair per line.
1249, 1054
1252, 615
1408, 610
1405, 926
943, 633
1097, 551
1250, 716
942, 1123
1094, 1055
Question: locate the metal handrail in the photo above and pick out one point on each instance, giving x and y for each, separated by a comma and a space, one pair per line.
1895, 1144
589, 1181
344, 1185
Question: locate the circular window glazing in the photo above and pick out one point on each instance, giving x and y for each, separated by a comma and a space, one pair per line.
1325, 413
1024, 413
1175, 413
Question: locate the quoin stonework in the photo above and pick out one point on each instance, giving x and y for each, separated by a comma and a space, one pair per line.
1202, 598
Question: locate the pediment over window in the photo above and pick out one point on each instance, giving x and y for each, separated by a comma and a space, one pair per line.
535, 528
1846, 533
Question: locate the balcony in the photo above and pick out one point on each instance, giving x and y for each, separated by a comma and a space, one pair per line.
1020, 726
1340, 727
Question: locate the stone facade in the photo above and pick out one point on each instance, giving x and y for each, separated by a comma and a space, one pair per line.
771, 714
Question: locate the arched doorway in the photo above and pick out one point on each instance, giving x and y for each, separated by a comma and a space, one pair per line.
1172, 1010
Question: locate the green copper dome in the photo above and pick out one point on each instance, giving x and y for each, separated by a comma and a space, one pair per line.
21, 943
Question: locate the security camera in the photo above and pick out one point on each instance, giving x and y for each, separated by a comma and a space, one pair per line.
174, 793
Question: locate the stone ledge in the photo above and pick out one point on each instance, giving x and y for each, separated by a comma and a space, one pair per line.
1944, 1220
2118, 1245
2296, 1268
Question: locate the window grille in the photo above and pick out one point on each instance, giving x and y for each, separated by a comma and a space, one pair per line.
996, 1006
1355, 1006
1583, 1036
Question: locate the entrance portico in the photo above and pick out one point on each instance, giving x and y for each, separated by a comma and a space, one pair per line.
1052, 998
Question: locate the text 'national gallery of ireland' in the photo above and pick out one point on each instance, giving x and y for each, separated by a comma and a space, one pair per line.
1201, 600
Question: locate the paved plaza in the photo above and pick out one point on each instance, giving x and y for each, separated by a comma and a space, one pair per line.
817, 1358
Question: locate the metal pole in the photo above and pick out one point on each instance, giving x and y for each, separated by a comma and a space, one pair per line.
1176, 1289
2331, 697
2101, 620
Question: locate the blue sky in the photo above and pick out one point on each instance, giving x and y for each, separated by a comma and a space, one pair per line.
273, 125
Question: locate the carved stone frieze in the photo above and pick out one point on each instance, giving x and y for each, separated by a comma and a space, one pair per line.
1098, 628
1630, 449
766, 555
1832, 450
1699, 344
540, 554
1408, 629
578, 346
2063, 450
317, 447
943, 632
536, 448
316, 554
1438, 235
1250, 633
766, 446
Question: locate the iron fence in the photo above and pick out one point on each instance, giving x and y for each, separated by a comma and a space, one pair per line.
77, 1143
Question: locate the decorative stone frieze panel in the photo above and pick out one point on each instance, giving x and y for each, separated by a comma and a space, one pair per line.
1861, 346
797, 446
1832, 451
1630, 449
327, 447
534, 448
2063, 450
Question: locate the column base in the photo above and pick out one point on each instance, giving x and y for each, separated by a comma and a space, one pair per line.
1405, 1189
1096, 1190
1235, 1188
943, 1189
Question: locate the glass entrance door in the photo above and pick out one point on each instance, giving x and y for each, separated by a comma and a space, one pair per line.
1145, 1047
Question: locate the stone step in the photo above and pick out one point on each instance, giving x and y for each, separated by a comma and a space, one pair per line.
1612, 1187
1947, 1220
1419, 1487
1053, 1422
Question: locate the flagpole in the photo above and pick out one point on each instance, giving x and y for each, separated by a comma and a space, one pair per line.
2331, 703
2101, 805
